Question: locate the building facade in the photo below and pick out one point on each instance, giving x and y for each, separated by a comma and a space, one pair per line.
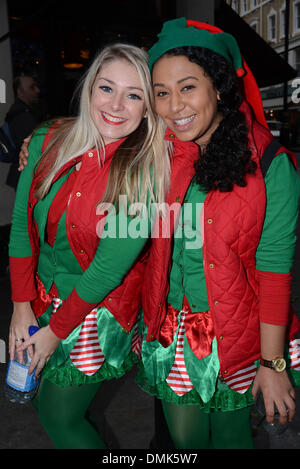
267, 18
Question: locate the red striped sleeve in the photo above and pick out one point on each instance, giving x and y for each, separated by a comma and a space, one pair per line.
274, 297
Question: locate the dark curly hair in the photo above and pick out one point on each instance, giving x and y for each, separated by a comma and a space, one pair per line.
226, 159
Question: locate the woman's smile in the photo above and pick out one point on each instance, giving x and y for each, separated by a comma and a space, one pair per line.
112, 120
184, 122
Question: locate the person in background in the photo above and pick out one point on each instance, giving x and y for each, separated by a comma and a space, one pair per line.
218, 328
80, 285
22, 118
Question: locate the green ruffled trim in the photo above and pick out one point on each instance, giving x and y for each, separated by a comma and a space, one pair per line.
68, 375
224, 399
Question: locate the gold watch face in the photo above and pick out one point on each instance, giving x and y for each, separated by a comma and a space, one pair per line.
279, 364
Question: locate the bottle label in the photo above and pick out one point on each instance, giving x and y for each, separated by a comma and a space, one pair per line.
18, 377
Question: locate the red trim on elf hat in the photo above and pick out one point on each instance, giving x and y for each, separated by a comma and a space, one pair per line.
251, 90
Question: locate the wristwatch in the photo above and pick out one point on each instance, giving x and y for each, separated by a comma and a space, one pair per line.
278, 364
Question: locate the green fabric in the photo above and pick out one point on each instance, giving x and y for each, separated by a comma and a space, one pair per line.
191, 428
158, 361
63, 414
224, 399
115, 345
19, 243
275, 252
209, 392
187, 272
68, 375
176, 33
115, 255
203, 373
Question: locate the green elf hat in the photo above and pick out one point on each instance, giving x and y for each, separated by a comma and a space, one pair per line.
182, 32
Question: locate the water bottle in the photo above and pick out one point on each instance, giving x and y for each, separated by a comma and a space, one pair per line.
19, 386
274, 428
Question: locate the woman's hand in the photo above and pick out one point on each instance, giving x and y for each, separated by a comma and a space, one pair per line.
277, 390
23, 155
45, 343
22, 318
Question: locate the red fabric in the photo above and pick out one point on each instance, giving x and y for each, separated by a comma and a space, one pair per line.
74, 309
169, 326
125, 301
230, 242
199, 329
274, 297
58, 207
43, 300
22, 279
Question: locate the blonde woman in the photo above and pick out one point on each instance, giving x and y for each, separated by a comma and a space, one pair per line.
68, 275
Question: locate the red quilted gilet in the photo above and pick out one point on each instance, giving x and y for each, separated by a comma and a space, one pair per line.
123, 302
233, 223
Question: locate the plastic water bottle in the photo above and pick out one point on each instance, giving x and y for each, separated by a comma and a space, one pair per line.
19, 386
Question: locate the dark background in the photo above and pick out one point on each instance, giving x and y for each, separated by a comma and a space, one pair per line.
48, 36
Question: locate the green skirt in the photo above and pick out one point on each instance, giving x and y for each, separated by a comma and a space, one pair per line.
115, 344
209, 392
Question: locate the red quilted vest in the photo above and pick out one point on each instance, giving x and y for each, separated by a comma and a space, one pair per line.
123, 302
233, 223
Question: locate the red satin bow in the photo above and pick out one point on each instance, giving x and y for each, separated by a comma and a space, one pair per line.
199, 330
43, 300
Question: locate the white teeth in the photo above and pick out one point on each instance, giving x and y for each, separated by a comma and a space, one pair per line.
113, 119
184, 121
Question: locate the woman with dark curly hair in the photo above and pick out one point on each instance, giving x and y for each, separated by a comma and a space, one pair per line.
216, 307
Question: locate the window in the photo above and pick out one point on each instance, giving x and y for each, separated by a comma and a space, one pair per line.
297, 16
244, 6
254, 3
297, 59
282, 23
235, 5
254, 25
272, 27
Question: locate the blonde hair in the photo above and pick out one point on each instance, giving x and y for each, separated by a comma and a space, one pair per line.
140, 167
